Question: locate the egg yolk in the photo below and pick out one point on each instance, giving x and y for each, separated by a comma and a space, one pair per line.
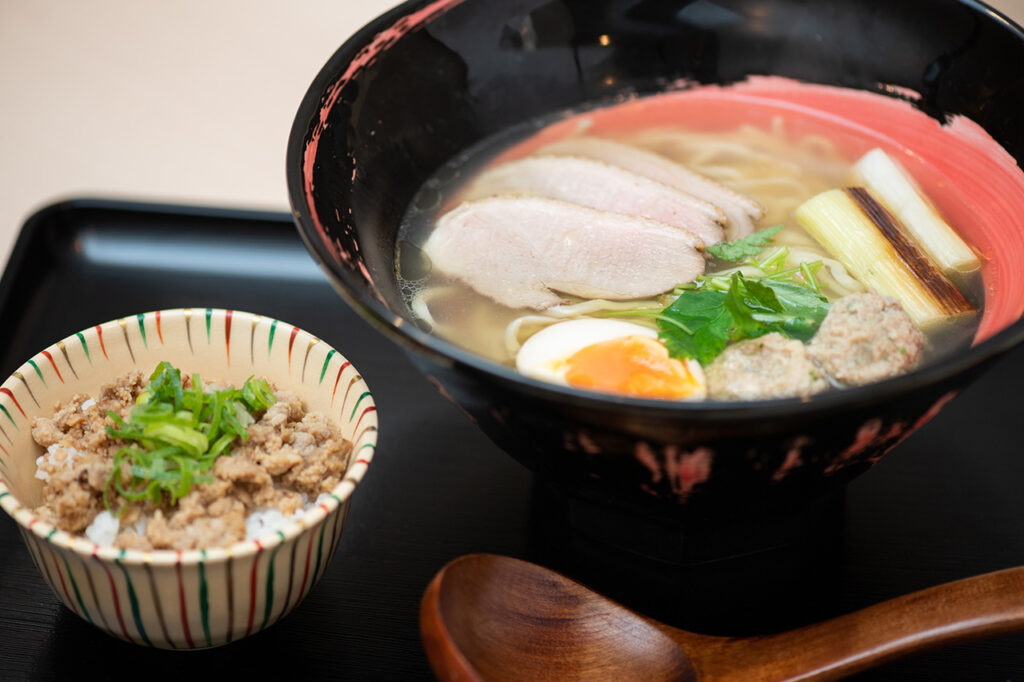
632, 365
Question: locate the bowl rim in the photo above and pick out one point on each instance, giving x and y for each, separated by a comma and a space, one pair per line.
313, 517
408, 335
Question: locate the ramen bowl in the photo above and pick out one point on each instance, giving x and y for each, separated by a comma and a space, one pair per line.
191, 599
424, 83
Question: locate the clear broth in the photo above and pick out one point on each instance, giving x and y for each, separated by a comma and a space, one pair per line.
778, 168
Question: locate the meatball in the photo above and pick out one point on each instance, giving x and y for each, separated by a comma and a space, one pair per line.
866, 338
769, 366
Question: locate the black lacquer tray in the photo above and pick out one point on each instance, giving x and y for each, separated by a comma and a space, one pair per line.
946, 504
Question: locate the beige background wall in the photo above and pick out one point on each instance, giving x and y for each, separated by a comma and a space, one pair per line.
186, 101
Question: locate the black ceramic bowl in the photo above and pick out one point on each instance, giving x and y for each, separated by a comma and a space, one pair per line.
431, 78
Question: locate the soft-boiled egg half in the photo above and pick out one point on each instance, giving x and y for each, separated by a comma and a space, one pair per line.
610, 356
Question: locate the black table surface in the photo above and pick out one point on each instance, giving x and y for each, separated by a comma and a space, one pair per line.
946, 504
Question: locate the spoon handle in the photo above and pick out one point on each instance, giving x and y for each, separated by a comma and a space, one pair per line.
983, 606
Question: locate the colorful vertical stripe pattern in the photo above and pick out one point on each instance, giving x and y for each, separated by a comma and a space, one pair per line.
186, 599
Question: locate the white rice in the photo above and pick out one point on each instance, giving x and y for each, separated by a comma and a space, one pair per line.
53, 462
40, 474
268, 520
104, 528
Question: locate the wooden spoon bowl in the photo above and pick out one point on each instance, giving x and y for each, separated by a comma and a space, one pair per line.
489, 617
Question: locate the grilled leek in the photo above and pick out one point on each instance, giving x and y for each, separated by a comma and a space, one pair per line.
898, 192
866, 238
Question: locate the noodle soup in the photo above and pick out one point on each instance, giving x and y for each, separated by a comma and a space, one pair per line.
780, 162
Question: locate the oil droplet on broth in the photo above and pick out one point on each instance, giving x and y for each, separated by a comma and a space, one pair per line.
427, 199
413, 262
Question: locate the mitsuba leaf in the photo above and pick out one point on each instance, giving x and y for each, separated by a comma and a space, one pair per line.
751, 245
749, 309
801, 310
751, 306
704, 313
763, 306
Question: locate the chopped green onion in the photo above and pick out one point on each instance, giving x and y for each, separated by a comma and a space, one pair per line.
177, 433
257, 394
192, 442
777, 258
809, 279
222, 443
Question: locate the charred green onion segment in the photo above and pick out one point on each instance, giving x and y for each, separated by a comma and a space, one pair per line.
176, 433
889, 236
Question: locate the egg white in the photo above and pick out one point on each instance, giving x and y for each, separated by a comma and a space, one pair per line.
543, 355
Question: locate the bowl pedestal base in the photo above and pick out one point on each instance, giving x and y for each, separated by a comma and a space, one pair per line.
743, 575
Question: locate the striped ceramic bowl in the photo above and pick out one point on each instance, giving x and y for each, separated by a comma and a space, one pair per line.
184, 599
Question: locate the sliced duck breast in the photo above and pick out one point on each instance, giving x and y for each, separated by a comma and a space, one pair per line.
521, 250
599, 185
742, 212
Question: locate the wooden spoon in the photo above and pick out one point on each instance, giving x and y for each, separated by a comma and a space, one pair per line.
489, 617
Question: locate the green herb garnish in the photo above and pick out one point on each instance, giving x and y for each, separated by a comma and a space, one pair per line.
751, 245
176, 433
705, 313
747, 309
716, 310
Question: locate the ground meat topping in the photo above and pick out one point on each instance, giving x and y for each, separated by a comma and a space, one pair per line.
866, 338
769, 366
290, 458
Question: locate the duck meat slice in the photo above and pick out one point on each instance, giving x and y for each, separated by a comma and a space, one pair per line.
742, 212
599, 185
520, 251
